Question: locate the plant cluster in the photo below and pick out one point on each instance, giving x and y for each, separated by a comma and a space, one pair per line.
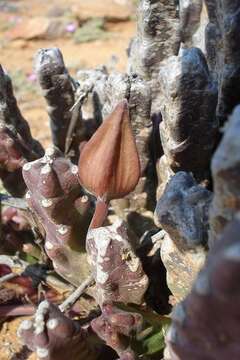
128, 223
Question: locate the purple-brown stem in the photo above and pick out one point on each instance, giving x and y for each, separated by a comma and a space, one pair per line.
16, 310
100, 214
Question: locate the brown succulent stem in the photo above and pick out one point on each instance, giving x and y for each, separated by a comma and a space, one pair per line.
16, 310
100, 213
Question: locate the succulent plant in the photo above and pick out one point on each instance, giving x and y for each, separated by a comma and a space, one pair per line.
143, 139
51, 334
202, 328
116, 328
53, 187
116, 269
225, 171
17, 145
58, 91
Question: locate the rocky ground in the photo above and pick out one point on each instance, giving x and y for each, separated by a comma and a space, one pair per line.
89, 33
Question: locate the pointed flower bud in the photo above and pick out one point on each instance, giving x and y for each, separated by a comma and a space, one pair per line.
109, 165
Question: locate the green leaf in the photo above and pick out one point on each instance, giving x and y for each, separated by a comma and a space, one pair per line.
154, 343
151, 340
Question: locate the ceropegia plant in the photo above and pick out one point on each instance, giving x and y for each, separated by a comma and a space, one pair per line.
79, 215
67, 206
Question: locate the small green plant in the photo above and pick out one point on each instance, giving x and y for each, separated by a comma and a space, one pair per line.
91, 30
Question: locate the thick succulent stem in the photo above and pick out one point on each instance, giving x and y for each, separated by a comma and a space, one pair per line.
54, 187
116, 269
16, 143
189, 126
52, 335
205, 325
226, 178
156, 37
16, 310
222, 37
58, 91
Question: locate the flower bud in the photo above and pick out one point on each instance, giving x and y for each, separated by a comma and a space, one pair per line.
109, 165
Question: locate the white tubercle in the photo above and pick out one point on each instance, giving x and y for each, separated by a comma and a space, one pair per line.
42, 352
74, 169
50, 151
39, 317
46, 169
27, 166
39, 328
10, 142
44, 305
62, 229
28, 195
46, 203
48, 245
52, 324
84, 199
26, 325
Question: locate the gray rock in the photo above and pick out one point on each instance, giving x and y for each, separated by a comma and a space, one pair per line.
182, 211
226, 177
182, 267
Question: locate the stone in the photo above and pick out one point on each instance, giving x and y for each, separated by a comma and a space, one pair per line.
38, 28
182, 211
182, 267
226, 177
